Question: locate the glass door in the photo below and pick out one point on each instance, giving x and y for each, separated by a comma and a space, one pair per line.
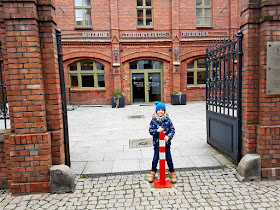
138, 88
154, 87
146, 81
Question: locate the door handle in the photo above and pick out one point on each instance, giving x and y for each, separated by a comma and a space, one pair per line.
149, 85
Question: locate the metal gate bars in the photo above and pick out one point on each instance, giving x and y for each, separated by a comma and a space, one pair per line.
223, 95
4, 109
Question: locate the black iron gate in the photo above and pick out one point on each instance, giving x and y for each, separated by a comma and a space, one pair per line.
4, 108
63, 96
223, 95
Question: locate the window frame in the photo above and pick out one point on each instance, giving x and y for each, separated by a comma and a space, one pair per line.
154, 64
83, 7
195, 70
144, 8
203, 7
81, 72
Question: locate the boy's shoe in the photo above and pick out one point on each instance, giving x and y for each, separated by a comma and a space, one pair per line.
173, 177
151, 177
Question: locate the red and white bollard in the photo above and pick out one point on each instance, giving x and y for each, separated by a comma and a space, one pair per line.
162, 183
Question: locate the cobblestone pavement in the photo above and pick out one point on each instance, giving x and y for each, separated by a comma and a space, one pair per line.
195, 189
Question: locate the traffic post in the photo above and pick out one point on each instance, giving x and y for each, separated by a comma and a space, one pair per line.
162, 183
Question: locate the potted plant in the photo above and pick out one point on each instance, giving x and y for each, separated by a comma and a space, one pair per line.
178, 98
118, 99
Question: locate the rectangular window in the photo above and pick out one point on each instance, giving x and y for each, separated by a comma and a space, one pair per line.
201, 77
74, 81
87, 81
144, 13
86, 65
203, 12
101, 81
190, 78
145, 64
83, 13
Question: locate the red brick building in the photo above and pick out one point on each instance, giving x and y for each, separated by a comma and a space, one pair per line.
145, 48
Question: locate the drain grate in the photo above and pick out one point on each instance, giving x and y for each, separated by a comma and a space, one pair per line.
138, 143
135, 116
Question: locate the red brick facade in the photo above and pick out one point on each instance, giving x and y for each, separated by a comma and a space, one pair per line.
260, 23
119, 17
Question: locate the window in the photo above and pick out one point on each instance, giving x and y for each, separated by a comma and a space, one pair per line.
196, 72
83, 13
203, 12
145, 64
87, 73
144, 13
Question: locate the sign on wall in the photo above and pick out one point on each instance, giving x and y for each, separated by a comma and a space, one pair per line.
193, 33
273, 68
96, 34
145, 34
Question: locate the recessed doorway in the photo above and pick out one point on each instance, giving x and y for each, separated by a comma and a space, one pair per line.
146, 81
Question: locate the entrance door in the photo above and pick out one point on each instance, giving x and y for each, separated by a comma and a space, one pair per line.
154, 87
146, 81
138, 87
146, 87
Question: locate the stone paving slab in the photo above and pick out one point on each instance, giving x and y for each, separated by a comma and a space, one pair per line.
195, 189
101, 135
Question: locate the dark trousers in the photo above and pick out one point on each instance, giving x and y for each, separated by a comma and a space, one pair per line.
167, 157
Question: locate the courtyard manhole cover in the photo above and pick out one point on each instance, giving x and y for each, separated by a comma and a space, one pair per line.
137, 143
135, 116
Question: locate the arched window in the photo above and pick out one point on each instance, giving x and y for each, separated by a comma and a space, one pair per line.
196, 72
87, 73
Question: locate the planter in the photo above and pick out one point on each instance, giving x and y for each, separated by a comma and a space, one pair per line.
119, 102
176, 100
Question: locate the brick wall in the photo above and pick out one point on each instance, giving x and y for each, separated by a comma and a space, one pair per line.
34, 97
118, 17
261, 112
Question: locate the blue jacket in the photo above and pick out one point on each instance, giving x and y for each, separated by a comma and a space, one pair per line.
168, 129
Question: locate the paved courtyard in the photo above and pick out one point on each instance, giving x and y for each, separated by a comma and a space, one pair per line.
106, 140
195, 189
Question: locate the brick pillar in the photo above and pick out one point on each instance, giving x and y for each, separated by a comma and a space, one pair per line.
176, 64
261, 112
51, 78
176, 83
32, 89
117, 67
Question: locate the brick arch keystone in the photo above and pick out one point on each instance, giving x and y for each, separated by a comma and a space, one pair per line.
86, 54
134, 55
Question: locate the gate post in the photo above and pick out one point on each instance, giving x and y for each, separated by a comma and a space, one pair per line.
261, 111
33, 90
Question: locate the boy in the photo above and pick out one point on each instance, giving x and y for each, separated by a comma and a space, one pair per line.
161, 123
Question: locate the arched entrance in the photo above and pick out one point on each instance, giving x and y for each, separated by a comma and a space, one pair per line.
146, 81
